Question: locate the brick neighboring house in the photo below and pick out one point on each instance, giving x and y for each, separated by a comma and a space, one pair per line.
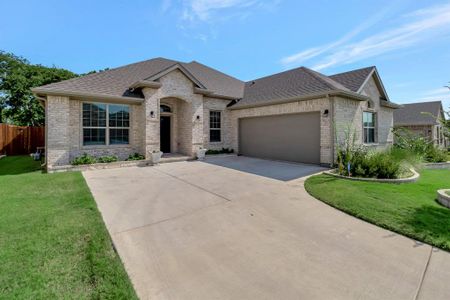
178, 107
422, 118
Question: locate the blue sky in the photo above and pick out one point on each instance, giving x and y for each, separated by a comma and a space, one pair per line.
409, 41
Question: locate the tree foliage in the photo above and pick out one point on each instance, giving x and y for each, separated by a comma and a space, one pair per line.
18, 105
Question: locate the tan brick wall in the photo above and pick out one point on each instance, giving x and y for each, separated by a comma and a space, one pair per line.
64, 133
286, 108
216, 105
188, 134
58, 130
385, 116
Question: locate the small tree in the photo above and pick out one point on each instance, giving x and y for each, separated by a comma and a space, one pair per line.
17, 76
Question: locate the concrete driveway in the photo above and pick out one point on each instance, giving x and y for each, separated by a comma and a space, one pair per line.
222, 229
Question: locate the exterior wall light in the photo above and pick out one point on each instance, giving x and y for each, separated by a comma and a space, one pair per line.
325, 113
198, 117
152, 114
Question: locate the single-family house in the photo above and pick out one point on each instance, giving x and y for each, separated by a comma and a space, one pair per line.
423, 119
177, 107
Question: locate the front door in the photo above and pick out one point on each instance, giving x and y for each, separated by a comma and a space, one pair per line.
164, 134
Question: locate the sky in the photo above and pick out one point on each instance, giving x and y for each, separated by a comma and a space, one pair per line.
408, 41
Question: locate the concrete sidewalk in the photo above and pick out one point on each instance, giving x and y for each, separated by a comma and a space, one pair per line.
196, 230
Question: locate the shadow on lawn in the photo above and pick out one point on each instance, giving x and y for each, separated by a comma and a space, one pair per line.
432, 225
16, 165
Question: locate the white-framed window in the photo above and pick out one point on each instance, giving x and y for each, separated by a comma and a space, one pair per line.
369, 124
215, 126
105, 124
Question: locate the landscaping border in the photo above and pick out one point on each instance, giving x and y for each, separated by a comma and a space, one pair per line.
101, 166
443, 198
441, 165
220, 155
413, 178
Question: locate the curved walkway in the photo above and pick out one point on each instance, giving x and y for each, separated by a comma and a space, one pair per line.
217, 230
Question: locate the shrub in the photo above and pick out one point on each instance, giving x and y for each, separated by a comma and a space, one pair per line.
136, 156
360, 163
434, 154
221, 151
420, 146
107, 159
354, 160
84, 159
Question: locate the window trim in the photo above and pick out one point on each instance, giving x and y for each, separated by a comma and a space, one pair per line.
375, 130
107, 127
215, 129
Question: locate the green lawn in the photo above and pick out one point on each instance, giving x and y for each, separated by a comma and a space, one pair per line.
409, 209
53, 243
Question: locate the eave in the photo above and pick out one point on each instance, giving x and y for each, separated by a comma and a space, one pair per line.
345, 94
41, 93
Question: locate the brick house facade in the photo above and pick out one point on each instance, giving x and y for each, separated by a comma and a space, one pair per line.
80, 119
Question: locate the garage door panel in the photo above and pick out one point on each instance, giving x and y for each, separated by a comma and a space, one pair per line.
292, 137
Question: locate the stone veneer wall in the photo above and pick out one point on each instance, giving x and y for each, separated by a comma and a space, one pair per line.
320, 105
64, 133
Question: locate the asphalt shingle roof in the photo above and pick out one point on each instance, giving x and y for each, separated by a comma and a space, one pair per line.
278, 87
354, 79
116, 82
292, 83
417, 113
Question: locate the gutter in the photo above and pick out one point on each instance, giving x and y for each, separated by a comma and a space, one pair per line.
146, 83
346, 94
88, 96
389, 104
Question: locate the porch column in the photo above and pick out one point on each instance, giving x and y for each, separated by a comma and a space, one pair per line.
151, 131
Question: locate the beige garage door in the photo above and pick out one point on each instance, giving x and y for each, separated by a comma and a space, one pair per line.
292, 137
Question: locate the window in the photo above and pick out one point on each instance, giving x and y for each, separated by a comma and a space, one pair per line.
214, 126
164, 108
105, 124
369, 127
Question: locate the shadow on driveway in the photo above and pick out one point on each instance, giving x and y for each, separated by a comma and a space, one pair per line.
284, 171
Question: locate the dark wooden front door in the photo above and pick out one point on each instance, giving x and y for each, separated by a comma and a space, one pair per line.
164, 135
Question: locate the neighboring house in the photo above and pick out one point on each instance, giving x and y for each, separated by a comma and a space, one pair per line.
177, 107
423, 119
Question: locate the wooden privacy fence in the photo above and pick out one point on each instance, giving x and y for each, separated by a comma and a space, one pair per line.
17, 140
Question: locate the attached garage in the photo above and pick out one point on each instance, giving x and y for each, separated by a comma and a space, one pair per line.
289, 137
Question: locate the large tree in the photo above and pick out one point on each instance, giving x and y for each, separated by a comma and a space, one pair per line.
17, 76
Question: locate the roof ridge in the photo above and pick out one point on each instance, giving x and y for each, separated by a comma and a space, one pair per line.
326, 80
423, 102
199, 63
272, 75
355, 70
103, 72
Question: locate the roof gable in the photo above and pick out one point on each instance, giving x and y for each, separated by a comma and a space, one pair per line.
354, 80
124, 81
182, 69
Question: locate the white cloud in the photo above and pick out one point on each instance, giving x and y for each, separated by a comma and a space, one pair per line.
416, 27
206, 10
316, 51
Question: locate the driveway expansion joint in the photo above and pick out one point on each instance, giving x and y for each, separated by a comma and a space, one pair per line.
168, 219
422, 278
194, 185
